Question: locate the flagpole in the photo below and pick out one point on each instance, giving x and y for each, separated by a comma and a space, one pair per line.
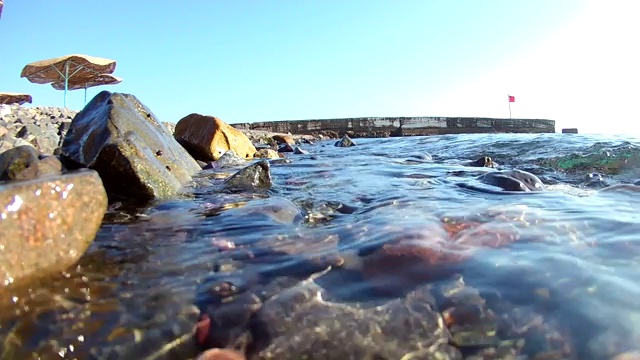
509, 100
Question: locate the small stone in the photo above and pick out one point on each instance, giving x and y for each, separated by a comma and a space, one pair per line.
221, 354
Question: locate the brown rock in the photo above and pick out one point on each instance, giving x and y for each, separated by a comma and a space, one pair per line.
221, 354
283, 139
48, 223
16, 160
207, 138
49, 165
3, 130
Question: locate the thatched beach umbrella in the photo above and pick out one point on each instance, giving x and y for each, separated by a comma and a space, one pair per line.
80, 68
101, 79
9, 98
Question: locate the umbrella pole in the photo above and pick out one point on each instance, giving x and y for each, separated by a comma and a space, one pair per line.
66, 81
85, 94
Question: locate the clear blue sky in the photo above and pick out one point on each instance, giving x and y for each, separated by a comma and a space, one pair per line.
574, 61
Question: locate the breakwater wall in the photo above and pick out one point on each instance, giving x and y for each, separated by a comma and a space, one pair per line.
402, 126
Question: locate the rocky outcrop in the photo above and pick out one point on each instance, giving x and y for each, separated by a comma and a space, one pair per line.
48, 223
207, 138
135, 155
40, 127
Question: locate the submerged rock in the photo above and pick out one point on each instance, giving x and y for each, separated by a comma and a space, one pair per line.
207, 138
298, 324
48, 223
135, 155
250, 178
411, 257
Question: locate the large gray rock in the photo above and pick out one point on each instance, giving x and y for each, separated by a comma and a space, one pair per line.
48, 223
135, 154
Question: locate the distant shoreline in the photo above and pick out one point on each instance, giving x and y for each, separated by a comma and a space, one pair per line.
401, 126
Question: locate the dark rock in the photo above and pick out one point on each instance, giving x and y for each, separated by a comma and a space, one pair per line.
299, 151
48, 223
16, 160
118, 136
345, 142
251, 178
513, 180
285, 148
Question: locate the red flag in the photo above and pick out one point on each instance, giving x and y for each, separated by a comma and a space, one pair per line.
512, 98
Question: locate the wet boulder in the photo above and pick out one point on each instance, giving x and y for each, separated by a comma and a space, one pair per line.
283, 139
48, 223
345, 142
229, 159
253, 177
16, 160
513, 180
136, 156
207, 138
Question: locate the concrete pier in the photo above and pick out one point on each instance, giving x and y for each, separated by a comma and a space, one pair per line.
402, 126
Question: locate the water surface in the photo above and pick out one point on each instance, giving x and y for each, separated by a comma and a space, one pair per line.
572, 258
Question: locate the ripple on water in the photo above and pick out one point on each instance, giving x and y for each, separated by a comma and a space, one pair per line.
552, 274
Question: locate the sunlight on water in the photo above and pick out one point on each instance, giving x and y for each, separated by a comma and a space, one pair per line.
559, 269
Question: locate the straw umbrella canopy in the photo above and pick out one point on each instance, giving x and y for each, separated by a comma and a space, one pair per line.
80, 68
9, 98
101, 79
